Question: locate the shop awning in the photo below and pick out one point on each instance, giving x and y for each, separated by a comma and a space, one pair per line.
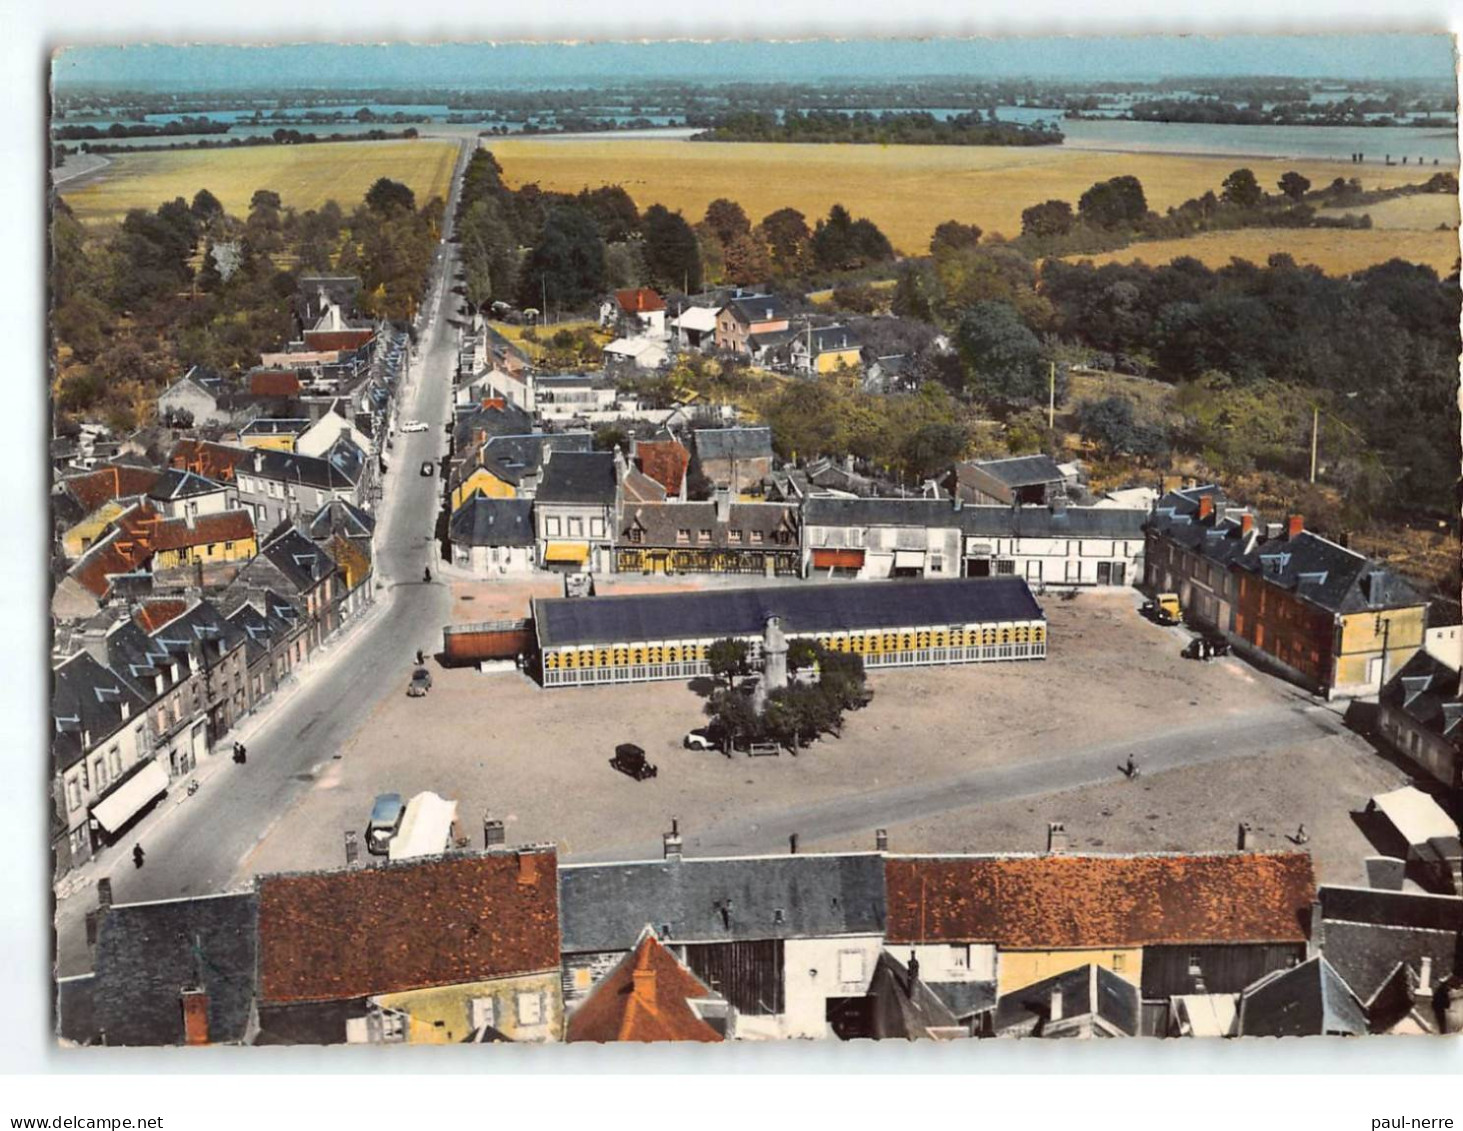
909, 559
838, 559
426, 830
122, 804
567, 552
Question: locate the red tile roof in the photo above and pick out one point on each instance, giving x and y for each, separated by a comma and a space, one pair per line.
665, 461
125, 549
115, 481
330, 936
644, 998
642, 300
323, 340
225, 526
1046, 902
274, 383
152, 614
212, 461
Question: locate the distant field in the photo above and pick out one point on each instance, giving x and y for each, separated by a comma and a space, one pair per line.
1335, 251
1422, 212
906, 190
305, 176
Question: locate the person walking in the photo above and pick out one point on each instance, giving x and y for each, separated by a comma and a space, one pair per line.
138, 856
427, 575
1131, 769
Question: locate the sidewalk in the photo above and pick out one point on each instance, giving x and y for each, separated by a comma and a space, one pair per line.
326, 657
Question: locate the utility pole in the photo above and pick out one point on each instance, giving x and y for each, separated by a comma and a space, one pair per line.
1386, 635
1051, 398
544, 290
1315, 433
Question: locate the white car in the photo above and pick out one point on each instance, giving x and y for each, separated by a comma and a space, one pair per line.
414, 426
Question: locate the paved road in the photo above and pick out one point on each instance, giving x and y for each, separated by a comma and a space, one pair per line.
196, 846
1206, 740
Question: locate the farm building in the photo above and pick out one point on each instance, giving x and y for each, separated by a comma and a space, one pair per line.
665, 635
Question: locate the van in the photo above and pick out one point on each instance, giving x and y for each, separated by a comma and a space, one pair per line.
385, 823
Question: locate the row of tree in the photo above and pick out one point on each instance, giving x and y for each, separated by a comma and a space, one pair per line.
864, 127
794, 715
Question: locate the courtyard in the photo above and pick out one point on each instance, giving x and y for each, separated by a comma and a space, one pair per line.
969, 758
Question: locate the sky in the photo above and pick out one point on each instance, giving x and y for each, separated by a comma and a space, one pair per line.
519, 65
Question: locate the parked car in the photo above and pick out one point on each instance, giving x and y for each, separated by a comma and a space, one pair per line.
630, 760
1163, 609
385, 823
699, 739
421, 683
427, 467
414, 426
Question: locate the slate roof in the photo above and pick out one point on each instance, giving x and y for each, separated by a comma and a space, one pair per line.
829, 339
646, 997
115, 481
512, 458
1426, 691
977, 521
659, 524
178, 483
1367, 933
87, 698
664, 461
482, 521
965, 999
340, 516
339, 469
711, 614
1052, 901
604, 907
206, 529
904, 1008
182, 635
299, 560
147, 953
1089, 989
263, 626
758, 308
448, 920
1311, 999
1021, 471
733, 443
579, 477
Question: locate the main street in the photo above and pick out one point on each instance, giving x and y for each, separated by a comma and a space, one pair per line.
194, 846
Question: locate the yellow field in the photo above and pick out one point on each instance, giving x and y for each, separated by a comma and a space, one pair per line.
1335, 251
305, 176
1422, 212
905, 189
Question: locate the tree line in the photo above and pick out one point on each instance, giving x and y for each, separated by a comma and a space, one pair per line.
889, 127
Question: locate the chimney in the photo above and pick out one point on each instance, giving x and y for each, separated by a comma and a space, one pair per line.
792, 844
644, 980
545, 453
126, 710
913, 971
1243, 842
1057, 841
723, 504
1221, 508
1294, 525
104, 893
881, 840
620, 465
258, 461
492, 832
1246, 523
195, 1015
1425, 979
1273, 531
527, 868
957, 502
1056, 1009
189, 517
672, 841
1317, 937
1206, 507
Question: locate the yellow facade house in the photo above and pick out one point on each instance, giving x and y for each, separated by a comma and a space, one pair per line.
80, 538
481, 481
227, 536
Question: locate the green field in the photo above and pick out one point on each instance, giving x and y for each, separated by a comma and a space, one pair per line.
305, 176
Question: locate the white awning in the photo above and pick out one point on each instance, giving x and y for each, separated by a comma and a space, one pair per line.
425, 828
1415, 815
122, 804
909, 559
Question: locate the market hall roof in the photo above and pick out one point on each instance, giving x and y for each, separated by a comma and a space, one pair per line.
804, 609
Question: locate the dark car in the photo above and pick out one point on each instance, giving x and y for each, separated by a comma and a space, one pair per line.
427, 467
629, 759
421, 683
385, 823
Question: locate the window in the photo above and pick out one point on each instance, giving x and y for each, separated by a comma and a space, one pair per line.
597, 528
683, 537
530, 1008
1195, 967
99, 772
393, 1026
937, 563
734, 535
551, 526
959, 957
1005, 566
481, 1011
1033, 569
756, 537
1119, 963
85, 781
705, 534
73, 792
850, 966
114, 761
576, 527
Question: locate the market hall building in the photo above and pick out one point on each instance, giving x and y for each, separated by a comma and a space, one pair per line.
631, 639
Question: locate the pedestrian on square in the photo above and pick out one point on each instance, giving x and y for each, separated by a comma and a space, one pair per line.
138, 856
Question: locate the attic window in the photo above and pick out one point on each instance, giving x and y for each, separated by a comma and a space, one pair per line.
1275, 563
778, 916
1315, 578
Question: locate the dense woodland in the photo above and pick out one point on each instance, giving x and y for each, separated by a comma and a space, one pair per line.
915, 127
134, 307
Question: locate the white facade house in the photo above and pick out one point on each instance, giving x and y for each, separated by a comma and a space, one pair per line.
321, 436
1046, 545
